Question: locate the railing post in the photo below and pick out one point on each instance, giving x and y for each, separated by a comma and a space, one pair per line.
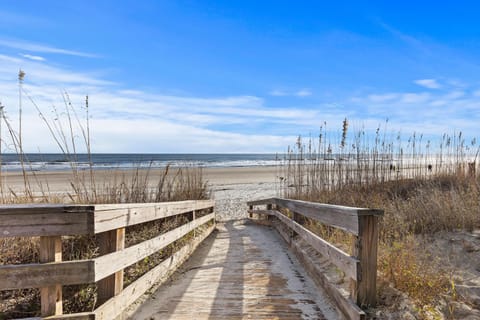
193, 219
110, 241
365, 249
51, 297
212, 210
293, 234
269, 207
250, 214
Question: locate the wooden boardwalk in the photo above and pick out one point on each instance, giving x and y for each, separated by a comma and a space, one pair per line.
242, 271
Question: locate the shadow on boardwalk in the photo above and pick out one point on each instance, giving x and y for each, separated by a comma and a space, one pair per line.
242, 271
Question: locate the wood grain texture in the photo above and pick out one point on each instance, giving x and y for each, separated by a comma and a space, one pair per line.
363, 223
115, 306
54, 220
349, 309
110, 217
345, 218
45, 220
51, 296
46, 274
342, 260
73, 316
364, 291
110, 263
243, 272
110, 241
70, 316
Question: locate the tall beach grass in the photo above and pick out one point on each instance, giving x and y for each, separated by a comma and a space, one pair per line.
70, 130
424, 186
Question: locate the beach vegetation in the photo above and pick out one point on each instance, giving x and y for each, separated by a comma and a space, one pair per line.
85, 186
426, 189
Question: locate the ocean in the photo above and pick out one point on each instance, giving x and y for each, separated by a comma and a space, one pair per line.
111, 161
104, 161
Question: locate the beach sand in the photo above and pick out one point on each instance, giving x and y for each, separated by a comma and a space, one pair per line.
230, 187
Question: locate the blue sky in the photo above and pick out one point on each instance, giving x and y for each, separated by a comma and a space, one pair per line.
241, 76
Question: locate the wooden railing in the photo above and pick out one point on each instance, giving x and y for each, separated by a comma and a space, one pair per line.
360, 267
108, 223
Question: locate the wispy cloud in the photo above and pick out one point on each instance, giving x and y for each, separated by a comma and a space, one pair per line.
32, 57
384, 97
428, 83
43, 72
283, 93
414, 98
407, 39
35, 47
435, 112
161, 122
278, 93
303, 93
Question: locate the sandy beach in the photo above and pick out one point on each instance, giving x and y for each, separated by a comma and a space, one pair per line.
231, 187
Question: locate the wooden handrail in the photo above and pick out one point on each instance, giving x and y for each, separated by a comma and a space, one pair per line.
341, 217
361, 267
65, 220
50, 222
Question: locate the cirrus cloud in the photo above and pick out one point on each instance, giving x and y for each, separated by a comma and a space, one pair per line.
428, 83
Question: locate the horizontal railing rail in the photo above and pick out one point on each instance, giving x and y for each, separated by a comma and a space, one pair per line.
108, 223
360, 267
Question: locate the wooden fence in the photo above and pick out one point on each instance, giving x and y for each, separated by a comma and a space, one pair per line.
108, 223
360, 267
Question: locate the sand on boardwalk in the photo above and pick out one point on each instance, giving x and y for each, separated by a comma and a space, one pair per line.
232, 188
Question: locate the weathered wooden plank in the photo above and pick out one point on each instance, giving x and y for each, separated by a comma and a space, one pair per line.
110, 241
70, 316
261, 202
345, 218
342, 260
46, 274
115, 306
73, 316
43, 220
365, 248
110, 217
246, 274
346, 306
51, 296
113, 262
53, 220
337, 208
200, 204
336, 216
43, 208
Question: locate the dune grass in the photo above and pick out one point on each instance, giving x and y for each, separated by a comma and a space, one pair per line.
423, 188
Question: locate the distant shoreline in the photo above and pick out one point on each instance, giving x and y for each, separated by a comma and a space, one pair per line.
118, 161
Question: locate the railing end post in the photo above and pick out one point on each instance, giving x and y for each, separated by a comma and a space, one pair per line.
364, 290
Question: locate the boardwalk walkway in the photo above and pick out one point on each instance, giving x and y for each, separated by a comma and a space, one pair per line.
242, 271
